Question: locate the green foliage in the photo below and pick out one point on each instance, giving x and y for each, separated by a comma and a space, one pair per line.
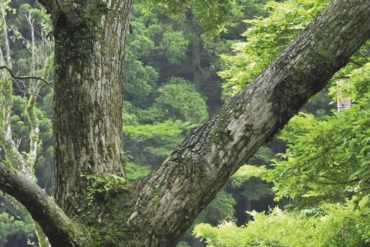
160, 108
136, 172
10, 226
246, 172
179, 100
335, 225
221, 208
355, 83
167, 130
141, 79
212, 15
104, 186
251, 187
27, 49
266, 38
152, 44
150, 144
30, 57
21, 129
326, 160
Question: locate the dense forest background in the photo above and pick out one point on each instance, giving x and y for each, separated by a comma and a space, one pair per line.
308, 187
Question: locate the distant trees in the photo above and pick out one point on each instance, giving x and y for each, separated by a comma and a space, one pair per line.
25, 130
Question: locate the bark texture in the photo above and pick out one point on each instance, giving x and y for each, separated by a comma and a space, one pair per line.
89, 41
187, 181
60, 230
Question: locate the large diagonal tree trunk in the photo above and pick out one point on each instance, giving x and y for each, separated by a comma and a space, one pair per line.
90, 36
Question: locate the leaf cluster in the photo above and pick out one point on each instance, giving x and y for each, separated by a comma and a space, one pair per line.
104, 186
333, 225
10, 227
212, 15
265, 39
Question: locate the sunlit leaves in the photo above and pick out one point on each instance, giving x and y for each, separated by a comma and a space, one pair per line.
212, 15
152, 143
326, 160
354, 84
265, 39
135, 172
333, 225
246, 172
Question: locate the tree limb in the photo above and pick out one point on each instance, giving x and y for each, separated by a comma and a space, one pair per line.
189, 179
60, 229
16, 77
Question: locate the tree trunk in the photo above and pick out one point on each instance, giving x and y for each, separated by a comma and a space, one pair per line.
89, 42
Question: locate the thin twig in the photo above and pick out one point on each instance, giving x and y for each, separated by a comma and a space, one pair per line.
15, 77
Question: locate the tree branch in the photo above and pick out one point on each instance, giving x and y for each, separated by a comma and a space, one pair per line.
189, 179
60, 229
15, 77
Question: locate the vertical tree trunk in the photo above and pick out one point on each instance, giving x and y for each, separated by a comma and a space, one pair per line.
89, 42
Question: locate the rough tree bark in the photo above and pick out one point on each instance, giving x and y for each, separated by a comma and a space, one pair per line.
87, 123
89, 41
61, 230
